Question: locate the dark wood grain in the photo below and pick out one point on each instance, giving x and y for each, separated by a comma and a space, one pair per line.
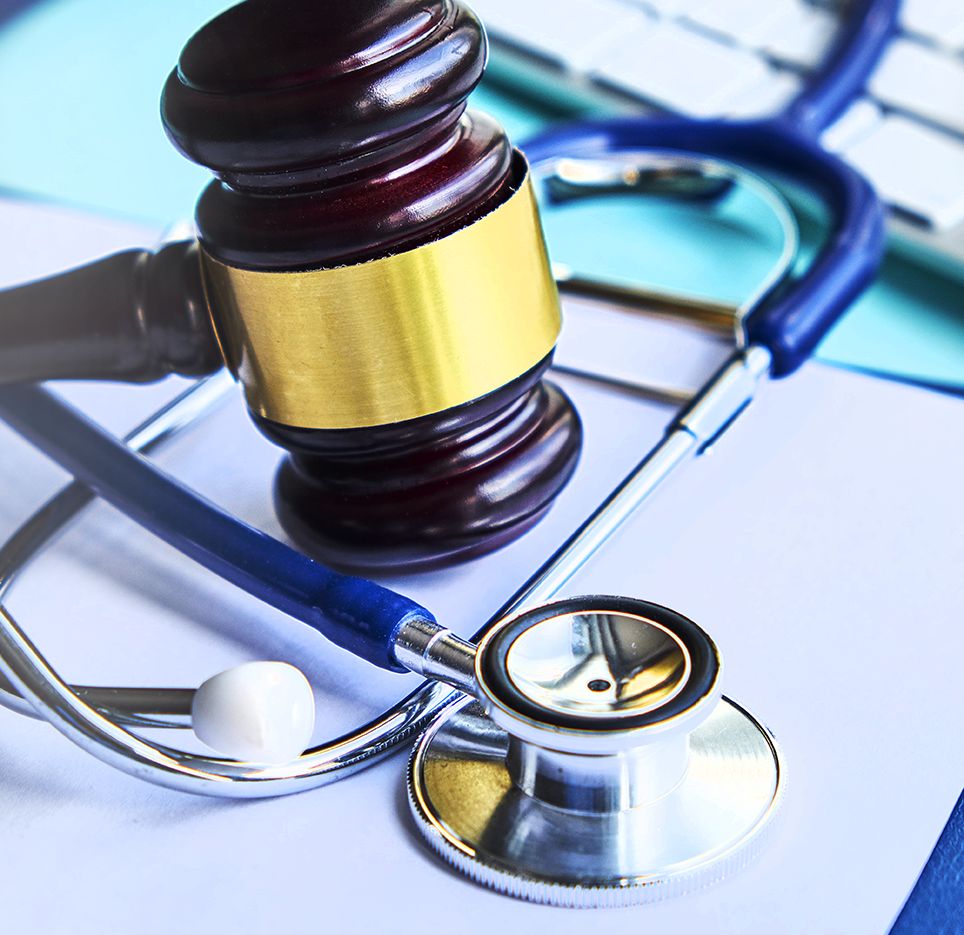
338, 132
135, 317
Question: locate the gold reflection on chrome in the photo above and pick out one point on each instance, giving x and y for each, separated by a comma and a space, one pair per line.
612, 664
466, 805
473, 790
394, 338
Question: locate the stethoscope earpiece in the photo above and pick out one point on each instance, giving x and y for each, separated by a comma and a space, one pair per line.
259, 712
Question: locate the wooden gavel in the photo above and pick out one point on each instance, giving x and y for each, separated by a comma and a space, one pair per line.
370, 266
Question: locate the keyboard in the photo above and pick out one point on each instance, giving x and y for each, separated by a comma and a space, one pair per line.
745, 59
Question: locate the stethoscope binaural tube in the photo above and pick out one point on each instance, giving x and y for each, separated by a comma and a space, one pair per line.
790, 322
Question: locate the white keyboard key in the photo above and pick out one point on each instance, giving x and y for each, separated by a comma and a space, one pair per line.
802, 37
941, 21
856, 121
915, 78
666, 7
680, 70
917, 168
745, 22
766, 98
566, 31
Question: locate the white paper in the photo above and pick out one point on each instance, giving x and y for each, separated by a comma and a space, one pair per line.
819, 544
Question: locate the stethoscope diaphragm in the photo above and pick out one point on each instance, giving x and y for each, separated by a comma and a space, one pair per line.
637, 781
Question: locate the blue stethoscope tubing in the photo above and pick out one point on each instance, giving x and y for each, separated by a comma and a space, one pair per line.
356, 614
843, 74
364, 617
791, 323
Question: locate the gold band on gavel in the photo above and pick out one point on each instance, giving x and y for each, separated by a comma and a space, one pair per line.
394, 338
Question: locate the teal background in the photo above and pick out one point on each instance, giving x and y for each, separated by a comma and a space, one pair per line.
80, 126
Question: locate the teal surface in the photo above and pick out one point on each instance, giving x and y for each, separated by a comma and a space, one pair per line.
83, 129
80, 110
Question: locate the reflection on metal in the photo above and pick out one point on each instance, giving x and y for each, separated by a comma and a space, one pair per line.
669, 176
432, 651
599, 760
707, 314
644, 389
614, 664
683, 177
471, 809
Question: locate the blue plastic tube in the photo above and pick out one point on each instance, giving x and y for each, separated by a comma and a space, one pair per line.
791, 322
354, 613
837, 82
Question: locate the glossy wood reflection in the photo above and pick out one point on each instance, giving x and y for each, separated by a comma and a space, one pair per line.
338, 133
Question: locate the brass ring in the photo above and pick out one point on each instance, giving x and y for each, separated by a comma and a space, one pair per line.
394, 338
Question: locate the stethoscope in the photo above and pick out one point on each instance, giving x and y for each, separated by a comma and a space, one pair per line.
576, 751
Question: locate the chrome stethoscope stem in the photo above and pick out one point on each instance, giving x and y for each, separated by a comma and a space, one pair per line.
725, 395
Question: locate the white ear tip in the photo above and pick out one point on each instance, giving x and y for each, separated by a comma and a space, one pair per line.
262, 712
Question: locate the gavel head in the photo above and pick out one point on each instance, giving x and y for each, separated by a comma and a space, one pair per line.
376, 273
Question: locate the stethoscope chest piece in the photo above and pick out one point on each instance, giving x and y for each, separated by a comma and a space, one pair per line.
599, 764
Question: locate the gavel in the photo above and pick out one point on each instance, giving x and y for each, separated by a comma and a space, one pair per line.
369, 265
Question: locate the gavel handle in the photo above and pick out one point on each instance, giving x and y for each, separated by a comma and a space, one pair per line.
134, 317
